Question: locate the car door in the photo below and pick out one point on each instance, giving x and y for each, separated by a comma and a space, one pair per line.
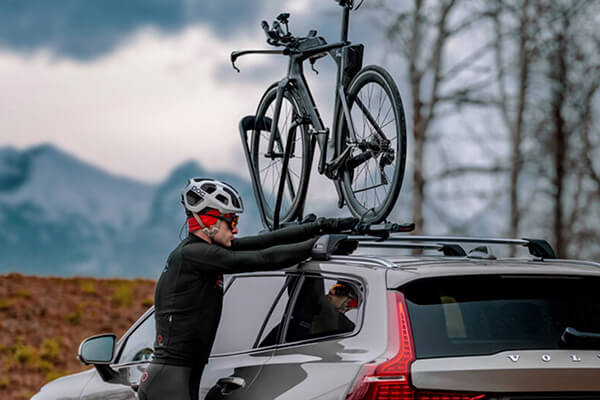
240, 348
133, 354
321, 350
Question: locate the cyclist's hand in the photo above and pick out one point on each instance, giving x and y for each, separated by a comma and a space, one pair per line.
336, 225
309, 219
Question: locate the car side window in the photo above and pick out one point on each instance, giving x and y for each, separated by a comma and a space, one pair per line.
247, 303
139, 344
324, 307
269, 335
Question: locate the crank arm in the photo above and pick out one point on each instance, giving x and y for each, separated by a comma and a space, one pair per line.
332, 169
360, 159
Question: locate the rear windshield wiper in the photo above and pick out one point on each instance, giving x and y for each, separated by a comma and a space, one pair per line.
572, 338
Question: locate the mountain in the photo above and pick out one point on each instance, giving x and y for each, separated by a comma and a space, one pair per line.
62, 216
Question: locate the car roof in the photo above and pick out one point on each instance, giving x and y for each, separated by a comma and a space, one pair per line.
407, 270
401, 269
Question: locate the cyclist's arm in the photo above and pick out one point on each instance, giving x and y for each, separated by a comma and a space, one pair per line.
290, 234
227, 261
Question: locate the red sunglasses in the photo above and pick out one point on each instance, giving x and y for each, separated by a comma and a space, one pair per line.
230, 219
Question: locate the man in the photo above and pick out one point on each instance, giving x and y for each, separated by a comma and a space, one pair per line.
189, 293
331, 318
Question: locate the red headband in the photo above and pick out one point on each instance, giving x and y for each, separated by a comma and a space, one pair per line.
206, 220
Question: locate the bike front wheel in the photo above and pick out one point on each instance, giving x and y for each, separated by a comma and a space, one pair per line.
269, 164
372, 176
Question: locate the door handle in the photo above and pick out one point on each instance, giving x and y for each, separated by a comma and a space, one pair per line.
230, 383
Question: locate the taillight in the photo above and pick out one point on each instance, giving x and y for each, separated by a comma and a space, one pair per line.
390, 379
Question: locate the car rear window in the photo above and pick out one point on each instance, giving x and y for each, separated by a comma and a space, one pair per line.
481, 315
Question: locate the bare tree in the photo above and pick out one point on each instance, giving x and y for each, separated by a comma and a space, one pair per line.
514, 22
421, 35
543, 85
572, 76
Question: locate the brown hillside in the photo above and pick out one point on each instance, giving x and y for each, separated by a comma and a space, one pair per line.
43, 320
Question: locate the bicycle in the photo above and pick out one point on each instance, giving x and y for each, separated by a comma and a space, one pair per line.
369, 127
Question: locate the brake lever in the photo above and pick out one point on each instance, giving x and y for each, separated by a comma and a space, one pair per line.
234, 56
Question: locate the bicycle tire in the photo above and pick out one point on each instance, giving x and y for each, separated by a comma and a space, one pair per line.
367, 81
299, 166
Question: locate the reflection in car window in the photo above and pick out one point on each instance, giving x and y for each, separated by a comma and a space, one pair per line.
324, 307
139, 344
245, 306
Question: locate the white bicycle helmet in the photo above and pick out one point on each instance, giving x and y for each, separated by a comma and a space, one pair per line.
201, 193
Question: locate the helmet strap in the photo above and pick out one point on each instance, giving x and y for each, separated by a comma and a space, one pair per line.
198, 220
210, 231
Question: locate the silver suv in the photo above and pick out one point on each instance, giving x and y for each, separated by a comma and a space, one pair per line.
450, 326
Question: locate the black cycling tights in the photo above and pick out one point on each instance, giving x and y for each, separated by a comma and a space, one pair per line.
161, 382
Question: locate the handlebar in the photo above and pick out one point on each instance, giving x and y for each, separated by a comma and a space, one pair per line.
311, 47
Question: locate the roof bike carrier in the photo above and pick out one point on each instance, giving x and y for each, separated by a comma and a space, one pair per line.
251, 123
537, 247
380, 232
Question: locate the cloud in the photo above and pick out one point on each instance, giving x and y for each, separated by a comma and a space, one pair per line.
87, 29
155, 99
140, 110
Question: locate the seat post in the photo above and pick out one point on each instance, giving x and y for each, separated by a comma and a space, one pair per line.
345, 23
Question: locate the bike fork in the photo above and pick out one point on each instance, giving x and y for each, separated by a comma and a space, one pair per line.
274, 127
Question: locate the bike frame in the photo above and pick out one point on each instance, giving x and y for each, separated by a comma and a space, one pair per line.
295, 79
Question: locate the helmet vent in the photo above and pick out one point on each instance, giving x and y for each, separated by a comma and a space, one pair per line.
223, 199
209, 187
193, 198
234, 198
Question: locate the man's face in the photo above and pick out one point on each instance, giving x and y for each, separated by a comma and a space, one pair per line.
340, 303
224, 235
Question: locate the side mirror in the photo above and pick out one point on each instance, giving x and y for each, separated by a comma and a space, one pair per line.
97, 350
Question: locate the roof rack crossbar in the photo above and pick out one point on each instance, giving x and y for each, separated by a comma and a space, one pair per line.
537, 247
450, 250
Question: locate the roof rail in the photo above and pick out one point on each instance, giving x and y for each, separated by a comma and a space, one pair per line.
371, 259
537, 247
450, 250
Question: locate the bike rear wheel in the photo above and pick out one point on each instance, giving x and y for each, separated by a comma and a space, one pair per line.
372, 177
269, 167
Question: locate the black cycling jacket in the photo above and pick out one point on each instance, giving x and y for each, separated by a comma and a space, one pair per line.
189, 293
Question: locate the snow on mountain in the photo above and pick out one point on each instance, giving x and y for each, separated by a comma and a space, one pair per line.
59, 185
62, 216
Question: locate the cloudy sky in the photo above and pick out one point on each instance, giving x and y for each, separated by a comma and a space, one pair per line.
138, 87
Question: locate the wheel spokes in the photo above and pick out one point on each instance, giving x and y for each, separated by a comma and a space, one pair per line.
370, 183
270, 168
